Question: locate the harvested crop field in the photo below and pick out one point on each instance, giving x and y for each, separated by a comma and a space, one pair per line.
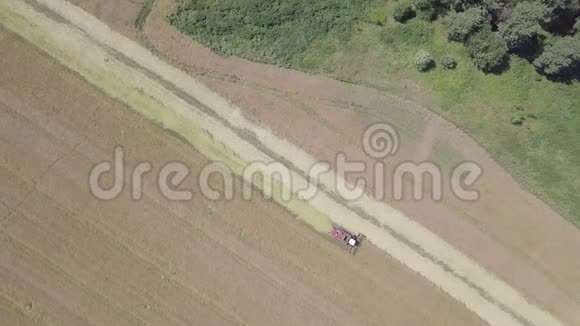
69, 258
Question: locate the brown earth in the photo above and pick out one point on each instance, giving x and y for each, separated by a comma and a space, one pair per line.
67, 258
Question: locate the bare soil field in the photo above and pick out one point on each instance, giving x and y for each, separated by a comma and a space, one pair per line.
167, 263
67, 258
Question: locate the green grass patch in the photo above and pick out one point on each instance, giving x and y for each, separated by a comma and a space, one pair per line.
143, 14
270, 31
350, 41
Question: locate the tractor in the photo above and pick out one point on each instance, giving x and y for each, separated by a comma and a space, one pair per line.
351, 241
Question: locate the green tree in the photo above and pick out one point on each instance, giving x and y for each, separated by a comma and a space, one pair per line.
426, 9
561, 58
488, 51
403, 12
518, 118
561, 14
462, 25
493, 5
424, 61
523, 25
462, 5
577, 25
563, 4
448, 63
459, 5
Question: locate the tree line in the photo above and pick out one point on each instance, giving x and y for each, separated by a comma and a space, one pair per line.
545, 32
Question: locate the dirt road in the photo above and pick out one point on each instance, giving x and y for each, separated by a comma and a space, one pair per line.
465, 281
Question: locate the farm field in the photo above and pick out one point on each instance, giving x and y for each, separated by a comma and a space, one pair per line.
239, 262
67, 258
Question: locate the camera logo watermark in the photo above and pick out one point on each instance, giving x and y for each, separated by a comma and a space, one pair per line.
379, 141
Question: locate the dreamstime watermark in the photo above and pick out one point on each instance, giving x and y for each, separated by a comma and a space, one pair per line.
379, 141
